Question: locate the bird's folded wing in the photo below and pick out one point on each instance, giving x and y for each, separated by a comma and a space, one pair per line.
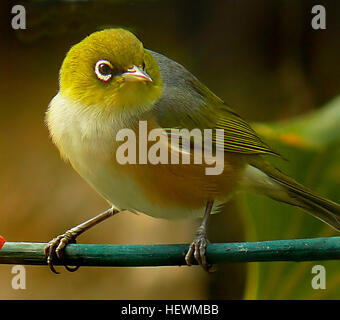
189, 104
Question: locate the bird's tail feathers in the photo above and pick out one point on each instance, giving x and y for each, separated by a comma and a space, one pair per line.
261, 177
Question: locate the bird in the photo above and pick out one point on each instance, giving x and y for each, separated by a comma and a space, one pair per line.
109, 83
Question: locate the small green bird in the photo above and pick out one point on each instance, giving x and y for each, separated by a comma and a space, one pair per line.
110, 83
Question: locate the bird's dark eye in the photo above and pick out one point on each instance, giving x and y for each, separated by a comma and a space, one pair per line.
103, 70
143, 65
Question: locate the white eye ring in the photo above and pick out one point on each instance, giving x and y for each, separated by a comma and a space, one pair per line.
104, 75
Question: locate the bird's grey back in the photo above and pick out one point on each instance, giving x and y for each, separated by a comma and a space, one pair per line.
180, 97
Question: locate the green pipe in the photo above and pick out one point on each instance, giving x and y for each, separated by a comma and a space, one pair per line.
113, 255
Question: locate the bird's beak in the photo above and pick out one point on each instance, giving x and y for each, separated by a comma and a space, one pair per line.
136, 74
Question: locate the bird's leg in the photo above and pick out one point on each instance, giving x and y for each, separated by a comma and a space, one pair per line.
56, 247
198, 246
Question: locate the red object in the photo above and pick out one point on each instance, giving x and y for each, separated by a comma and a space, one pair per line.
2, 242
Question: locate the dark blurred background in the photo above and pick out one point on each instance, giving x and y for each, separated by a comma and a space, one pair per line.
262, 57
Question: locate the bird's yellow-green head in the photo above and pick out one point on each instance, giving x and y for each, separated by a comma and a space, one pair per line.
110, 69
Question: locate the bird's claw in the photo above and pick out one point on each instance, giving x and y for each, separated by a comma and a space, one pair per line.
55, 249
198, 250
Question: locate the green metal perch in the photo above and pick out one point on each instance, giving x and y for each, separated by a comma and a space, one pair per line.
109, 255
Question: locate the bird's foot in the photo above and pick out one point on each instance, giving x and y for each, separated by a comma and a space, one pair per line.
198, 250
56, 247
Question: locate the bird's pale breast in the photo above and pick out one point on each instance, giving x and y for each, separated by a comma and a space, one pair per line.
164, 190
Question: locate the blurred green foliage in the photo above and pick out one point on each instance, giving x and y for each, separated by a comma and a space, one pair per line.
311, 143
